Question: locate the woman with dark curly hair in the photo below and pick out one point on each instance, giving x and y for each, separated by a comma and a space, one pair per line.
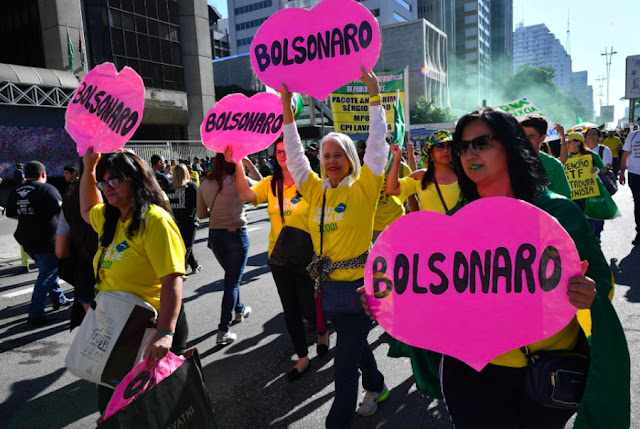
140, 248
494, 158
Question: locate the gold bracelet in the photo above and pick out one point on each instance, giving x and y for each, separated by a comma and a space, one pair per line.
374, 98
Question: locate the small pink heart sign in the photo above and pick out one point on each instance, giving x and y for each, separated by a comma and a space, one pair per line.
485, 281
106, 109
314, 52
248, 125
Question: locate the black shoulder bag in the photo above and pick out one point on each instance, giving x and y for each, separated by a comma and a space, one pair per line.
435, 182
294, 248
557, 378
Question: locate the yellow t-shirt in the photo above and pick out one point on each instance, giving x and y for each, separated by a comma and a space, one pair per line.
613, 143
195, 177
136, 264
429, 198
296, 209
348, 223
389, 208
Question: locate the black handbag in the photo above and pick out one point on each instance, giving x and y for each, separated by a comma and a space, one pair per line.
179, 400
556, 378
609, 181
294, 248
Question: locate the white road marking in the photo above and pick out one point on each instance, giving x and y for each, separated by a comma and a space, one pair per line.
24, 291
254, 229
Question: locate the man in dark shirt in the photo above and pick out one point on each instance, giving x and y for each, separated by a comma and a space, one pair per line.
37, 206
312, 156
157, 164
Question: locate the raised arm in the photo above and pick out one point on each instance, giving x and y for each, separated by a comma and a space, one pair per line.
375, 156
411, 156
255, 174
393, 185
244, 190
89, 194
297, 162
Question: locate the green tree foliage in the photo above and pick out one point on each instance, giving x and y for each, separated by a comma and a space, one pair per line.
536, 84
428, 112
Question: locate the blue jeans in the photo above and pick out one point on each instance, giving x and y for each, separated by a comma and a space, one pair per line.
46, 283
231, 249
598, 226
352, 353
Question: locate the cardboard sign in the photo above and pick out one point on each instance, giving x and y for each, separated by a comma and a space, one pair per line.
248, 125
350, 103
523, 108
485, 284
316, 51
139, 380
582, 181
106, 109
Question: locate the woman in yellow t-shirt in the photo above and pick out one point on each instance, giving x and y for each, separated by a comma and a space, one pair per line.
347, 194
437, 185
294, 288
141, 251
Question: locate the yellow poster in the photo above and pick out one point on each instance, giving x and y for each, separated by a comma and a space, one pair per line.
350, 103
582, 181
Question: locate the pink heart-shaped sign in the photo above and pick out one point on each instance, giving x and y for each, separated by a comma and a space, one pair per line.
316, 51
248, 125
475, 285
106, 109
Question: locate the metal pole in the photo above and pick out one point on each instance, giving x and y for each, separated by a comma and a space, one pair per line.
607, 56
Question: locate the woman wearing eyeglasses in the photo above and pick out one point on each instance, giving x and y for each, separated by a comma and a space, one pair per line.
286, 207
141, 251
437, 185
494, 158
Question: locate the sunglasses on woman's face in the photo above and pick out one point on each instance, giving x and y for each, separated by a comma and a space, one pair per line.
441, 146
113, 183
479, 144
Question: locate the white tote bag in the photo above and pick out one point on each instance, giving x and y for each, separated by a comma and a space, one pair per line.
112, 337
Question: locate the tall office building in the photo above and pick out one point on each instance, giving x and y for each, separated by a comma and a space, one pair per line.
246, 16
582, 91
536, 45
501, 41
219, 33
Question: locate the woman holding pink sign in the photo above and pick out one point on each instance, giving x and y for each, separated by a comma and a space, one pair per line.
289, 216
341, 210
493, 158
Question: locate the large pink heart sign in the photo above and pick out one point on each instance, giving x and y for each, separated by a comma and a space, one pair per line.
316, 51
248, 125
106, 109
487, 280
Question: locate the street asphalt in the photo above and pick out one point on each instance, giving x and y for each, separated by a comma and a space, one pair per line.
246, 380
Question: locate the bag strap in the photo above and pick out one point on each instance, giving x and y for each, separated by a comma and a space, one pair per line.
324, 202
600, 150
214, 199
281, 199
527, 354
435, 182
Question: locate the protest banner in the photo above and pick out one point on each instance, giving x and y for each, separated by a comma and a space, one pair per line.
350, 103
582, 181
314, 52
248, 125
488, 283
522, 108
106, 109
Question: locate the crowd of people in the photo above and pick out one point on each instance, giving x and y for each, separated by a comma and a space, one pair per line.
130, 226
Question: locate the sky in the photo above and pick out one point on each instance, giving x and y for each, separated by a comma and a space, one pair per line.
594, 25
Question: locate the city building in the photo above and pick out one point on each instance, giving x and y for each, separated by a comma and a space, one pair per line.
582, 90
501, 41
219, 33
167, 42
536, 45
246, 16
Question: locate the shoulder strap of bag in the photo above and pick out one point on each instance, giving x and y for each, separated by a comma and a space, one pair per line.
435, 182
527, 354
600, 150
281, 199
324, 202
214, 199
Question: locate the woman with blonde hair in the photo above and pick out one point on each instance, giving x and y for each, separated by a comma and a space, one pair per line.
183, 197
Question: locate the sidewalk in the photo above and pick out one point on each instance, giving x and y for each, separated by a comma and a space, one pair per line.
9, 247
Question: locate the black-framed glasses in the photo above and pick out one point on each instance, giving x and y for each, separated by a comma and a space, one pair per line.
281, 153
479, 144
114, 183
442, 146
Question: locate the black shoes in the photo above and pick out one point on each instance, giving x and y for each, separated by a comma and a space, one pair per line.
294, 374
322, 349
41, 321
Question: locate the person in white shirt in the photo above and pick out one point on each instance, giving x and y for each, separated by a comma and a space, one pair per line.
593, 140
631, 160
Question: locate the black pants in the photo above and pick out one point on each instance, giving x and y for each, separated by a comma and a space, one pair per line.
188, 233
615, 165
179, 346
634, 184
296, 295
493, 398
